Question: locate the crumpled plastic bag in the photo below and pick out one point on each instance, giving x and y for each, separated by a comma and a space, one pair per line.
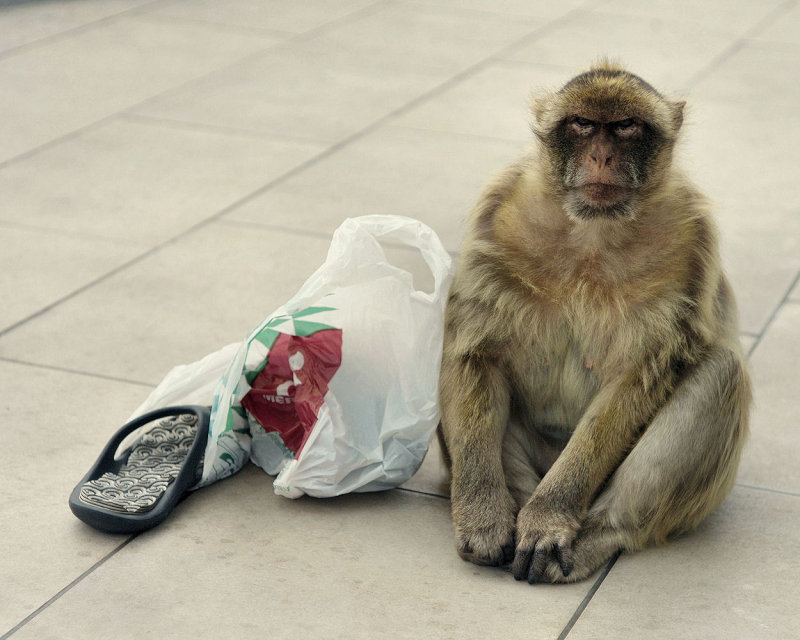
337, 390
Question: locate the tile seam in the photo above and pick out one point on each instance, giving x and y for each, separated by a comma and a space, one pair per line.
430, 494
67, 589
779, 492
76, 292
784, 301
587, 598
142, 9
390, 116
88, 374
738, 44
331, 150
243, 60
194, 127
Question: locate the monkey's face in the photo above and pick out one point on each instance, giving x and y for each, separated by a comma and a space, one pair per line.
603, 164
607, 138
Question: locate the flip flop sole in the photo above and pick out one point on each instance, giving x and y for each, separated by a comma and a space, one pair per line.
138, 490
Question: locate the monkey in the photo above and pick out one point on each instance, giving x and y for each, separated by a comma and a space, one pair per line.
594, 395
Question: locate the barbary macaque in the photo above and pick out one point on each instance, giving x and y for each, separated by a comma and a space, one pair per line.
594, 394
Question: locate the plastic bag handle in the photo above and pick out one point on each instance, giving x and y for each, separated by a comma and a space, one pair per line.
412, 233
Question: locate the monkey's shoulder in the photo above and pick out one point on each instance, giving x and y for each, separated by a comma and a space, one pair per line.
504, 196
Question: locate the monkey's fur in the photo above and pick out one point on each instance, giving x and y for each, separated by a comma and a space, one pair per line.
594, 395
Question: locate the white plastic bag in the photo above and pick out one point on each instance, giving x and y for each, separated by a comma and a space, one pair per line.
337, 390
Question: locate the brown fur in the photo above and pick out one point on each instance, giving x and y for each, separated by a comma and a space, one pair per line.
593, 391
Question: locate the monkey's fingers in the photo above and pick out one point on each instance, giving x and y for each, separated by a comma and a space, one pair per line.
530, 564
541, 557
486, 547
564, 557
522, 562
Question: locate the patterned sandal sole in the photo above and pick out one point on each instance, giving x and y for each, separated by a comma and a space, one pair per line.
138, 491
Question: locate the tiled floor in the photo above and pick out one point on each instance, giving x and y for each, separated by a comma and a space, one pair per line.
171, 172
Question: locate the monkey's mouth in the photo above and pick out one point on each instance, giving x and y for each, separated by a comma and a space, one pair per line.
603, 195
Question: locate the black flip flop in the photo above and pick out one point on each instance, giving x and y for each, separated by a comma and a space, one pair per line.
139, 489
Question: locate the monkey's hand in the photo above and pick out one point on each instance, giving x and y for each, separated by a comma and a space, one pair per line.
484, 529
545, 533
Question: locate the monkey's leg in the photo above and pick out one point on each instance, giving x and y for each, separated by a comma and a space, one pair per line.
677, 473
475, 407
518, 462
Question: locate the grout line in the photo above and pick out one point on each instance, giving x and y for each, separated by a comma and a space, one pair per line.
782, 302
794, 494
70, 135
226, 26
737, 44
392, 115
277, 46
337, 146
81, 289
88, 374
420, 492
63, 591
194, 127
582, 606
141, 9
14, 225
519, 141
303, 233
244, 60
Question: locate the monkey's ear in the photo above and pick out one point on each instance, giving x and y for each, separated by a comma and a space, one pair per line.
677, 114
544, 119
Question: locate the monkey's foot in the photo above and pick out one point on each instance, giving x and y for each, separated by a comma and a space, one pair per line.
491, 546
594, 545
484, 530
544, 541
586, 561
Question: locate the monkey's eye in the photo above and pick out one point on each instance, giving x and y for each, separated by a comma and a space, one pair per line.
581, 126
627, 128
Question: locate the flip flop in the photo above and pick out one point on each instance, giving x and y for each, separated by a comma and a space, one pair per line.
137, 488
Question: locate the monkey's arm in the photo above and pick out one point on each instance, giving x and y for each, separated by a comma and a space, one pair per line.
546, 526
475, 404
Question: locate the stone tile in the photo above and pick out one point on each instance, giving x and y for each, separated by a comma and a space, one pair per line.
734, 17
427, 38
72, 82
54, 425
493, 102
748, 342
237, 556
432, 476
331, 86
518, 9
770, 457
666, 53
141, 181
795, 295
735, 577
783, 28
277, 15
27, 22
761, 263
725, 140
434, 177
760, 228
758, 76
39, 267
188, 299
297, 91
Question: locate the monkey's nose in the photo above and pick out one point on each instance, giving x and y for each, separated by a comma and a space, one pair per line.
602, 160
